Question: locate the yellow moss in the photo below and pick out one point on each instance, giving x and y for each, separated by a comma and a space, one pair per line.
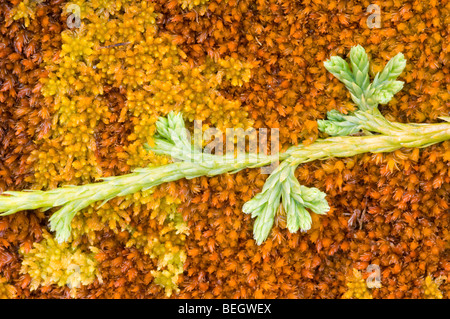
169, 269
125, 51
7, 291
189, 4
357, 288
235, 71
26, 10
118, 45
68, 156
171, 256
116, 215
431, 288
52, 263
91, 220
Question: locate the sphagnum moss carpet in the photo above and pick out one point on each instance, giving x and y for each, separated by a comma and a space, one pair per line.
86, 86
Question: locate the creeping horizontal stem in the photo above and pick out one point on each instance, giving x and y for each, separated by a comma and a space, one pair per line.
75, 198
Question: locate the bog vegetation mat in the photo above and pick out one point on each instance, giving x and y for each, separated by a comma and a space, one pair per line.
224, 149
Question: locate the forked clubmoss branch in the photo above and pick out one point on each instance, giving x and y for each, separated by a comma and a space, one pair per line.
281, 187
